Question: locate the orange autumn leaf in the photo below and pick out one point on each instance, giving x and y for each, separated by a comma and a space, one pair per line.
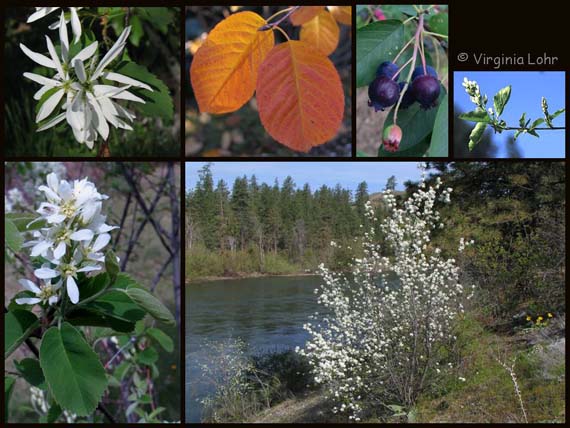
224, 70
321, 32
342, 14
304, 14
299, 96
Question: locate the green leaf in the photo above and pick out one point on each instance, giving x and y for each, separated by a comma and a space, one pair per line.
478, 115
439, 145
438, 23
54, 413
72, 370
476, 135
157, 103
416, 123
557, 113
533, 133
111, 265
30, 370
517, 133
151, 304
8, 388
136, 30
18, 325
159, 17
22, 220
94, 285
118, 305
501, 99
522, 120
12, 236
148, 357
93, 318
124, 281
375, 43
161, 338
536, 123
360, 154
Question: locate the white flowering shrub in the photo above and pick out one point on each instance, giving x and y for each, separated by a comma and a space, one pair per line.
91, 85
379, 339
73, 287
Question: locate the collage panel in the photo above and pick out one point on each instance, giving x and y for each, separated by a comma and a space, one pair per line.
402, 81
393, 292
92, 292
509, 114
268, 81
92, 82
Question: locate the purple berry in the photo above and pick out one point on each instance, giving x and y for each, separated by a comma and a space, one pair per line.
419, 71
426, 91
408, 98
387, 69
383, 92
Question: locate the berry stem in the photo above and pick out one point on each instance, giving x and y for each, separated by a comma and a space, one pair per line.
430, 33
411, 71
422, 52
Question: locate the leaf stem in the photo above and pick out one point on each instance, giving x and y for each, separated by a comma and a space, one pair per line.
272, 25
430, 33
403, 49
282, 32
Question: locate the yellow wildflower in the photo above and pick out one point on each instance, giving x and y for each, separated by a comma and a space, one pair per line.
528, 318
550, 315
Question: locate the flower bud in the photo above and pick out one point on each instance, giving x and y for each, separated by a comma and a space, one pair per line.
391, 138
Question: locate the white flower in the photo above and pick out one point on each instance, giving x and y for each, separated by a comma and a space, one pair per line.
47, 293
41, 12
68, 273
88, 103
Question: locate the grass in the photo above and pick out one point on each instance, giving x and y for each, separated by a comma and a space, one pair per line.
488, 395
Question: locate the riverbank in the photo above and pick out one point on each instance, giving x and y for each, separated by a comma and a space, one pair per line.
479, 390
247, 275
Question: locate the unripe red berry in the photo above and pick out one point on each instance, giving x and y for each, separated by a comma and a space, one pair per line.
426, 90
391, 138
383, 92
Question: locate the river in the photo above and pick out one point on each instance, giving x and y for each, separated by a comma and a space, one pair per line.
267, 313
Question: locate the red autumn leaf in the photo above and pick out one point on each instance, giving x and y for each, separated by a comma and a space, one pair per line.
299, 96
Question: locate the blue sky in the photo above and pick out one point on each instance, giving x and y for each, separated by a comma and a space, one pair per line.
528, 87
348, 174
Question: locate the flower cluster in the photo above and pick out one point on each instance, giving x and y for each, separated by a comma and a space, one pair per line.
80, 91
386, 321
71, 241
472, 89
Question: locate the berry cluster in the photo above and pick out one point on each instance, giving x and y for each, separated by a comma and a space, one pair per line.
384, 91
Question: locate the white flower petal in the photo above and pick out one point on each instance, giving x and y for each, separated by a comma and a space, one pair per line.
49, 105
80, 70
75, 23
99, 118
60, 250
86, 53
46, 273
40, 12
50, 83
29, 285
40, 93
52, 122
40, 248
115, 50
38, 58
89, 269
54, 57
72, 290
28, 301
116, 77
64, 39
82, 235
101, 242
